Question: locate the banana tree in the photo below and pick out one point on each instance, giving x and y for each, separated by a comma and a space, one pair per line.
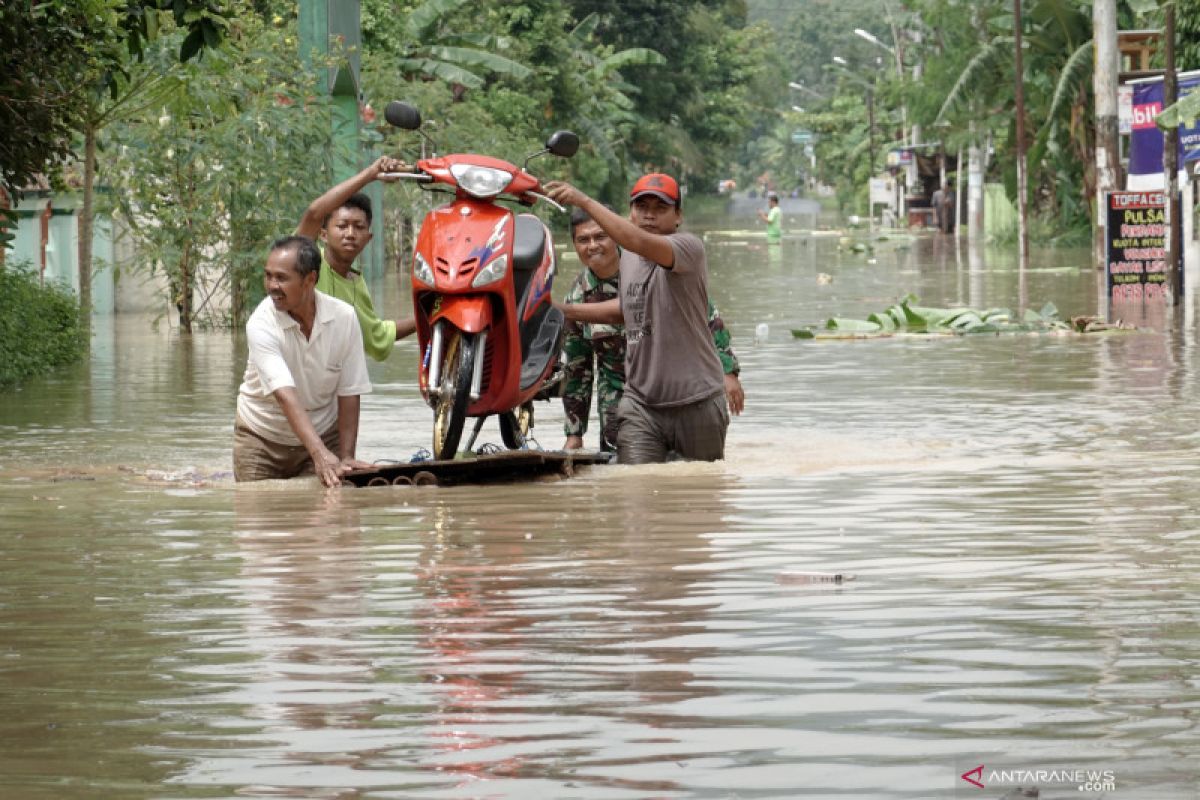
425, 44
1057, 73
600, 102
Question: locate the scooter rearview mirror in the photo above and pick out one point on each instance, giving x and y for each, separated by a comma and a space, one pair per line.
402, 115
563, 143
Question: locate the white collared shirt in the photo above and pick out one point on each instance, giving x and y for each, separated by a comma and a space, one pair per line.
327, 365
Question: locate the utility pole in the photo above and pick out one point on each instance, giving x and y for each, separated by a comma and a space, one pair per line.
976, 154
323, 22
1104, 87
871, 125
1174, 223
1022, 171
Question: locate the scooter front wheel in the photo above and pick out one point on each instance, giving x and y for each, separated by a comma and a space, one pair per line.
450, 410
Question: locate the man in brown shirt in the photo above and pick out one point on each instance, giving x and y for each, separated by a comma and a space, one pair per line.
674, 393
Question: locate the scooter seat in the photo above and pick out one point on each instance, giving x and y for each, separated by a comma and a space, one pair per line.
529, 242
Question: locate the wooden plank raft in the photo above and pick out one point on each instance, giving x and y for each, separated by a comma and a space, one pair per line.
506, 466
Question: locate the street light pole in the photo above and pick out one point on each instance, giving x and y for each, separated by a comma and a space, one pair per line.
870, 89
912, 172
800, 87
873, 39
871, 126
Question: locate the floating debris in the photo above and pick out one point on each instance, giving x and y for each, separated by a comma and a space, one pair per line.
906, 317
835, 578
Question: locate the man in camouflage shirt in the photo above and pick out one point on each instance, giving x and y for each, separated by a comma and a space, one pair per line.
595, 352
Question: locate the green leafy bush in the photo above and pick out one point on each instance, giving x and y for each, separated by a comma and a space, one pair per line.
39, 326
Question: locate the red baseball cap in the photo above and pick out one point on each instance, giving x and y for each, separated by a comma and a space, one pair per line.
661, 186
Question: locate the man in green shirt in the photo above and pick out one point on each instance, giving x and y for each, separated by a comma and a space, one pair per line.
341, 219
774, 219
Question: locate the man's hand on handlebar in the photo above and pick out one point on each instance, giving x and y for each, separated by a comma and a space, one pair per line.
565, 193
386, 169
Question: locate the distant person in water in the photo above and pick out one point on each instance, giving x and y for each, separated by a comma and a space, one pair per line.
341, 218
298, 405
946, 209
773, 216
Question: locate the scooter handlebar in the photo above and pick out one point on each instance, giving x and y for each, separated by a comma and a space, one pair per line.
422, 177
412, 176
541, 196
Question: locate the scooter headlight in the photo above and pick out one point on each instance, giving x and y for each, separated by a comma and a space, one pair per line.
421, 270
481, 182
492, 272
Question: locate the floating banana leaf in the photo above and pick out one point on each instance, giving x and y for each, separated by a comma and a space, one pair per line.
852, 325
884, 321
908, 317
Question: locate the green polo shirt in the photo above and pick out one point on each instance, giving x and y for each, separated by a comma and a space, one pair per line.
379, 335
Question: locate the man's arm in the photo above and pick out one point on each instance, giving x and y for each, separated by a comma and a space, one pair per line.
629, 236
325, 464
405, 327
320, 209
606, 313
347, 414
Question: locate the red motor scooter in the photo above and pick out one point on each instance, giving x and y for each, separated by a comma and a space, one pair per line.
488, 334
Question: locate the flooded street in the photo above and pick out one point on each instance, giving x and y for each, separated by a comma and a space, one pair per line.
1014, 519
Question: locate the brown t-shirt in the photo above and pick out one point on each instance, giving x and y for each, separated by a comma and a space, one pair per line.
670, 359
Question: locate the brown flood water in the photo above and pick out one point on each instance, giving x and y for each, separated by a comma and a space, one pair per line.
1019, 516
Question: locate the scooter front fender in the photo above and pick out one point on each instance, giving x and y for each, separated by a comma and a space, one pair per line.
469, 313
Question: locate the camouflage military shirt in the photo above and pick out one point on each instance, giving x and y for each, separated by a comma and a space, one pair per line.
595, 353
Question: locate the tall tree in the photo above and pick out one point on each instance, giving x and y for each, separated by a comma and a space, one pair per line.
220, 167
61, 57
44, 48
1057, 58
54, 51
713, 86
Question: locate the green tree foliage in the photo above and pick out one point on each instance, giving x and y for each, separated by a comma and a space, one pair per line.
1059, 105
44, 48
1187, 31
426, 41
1187, 57
843, 147
39, 326
577, 81
227, 163
709, 91
811, 33
53, 51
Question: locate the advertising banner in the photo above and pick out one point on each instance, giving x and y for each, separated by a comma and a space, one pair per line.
1146, 139
1135, 258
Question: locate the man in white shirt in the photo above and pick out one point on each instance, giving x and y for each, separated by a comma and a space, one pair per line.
298, 405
